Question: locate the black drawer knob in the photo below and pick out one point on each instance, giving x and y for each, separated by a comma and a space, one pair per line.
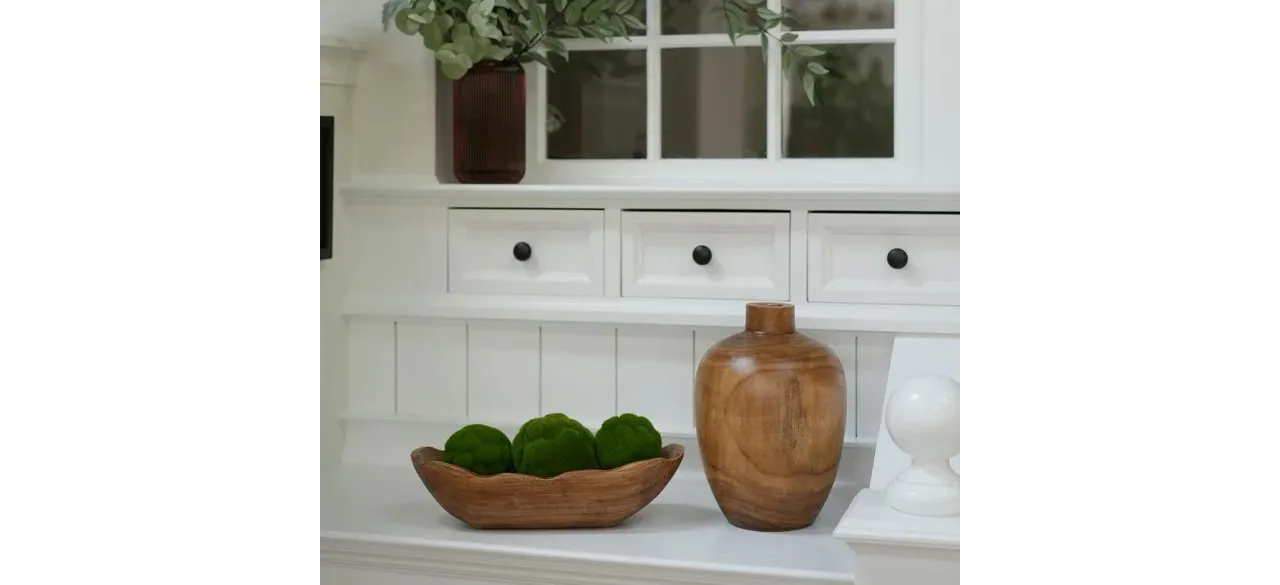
897, 258
702, 255
522, 251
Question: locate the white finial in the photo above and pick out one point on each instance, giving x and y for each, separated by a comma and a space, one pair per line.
923, 419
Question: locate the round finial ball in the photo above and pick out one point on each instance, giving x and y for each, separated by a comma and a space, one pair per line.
923, 417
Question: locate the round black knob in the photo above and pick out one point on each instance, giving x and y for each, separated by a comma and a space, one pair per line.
702, 255
522, 251
897, 258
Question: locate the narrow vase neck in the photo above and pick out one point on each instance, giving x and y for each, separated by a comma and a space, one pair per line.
771, 318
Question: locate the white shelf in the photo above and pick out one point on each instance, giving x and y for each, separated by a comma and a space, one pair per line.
910, 319
377, 517
685, 195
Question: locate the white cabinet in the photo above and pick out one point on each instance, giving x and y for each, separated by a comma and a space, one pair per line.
706, 255
526, 251
879, 258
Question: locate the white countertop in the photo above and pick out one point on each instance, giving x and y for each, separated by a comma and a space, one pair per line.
682, 530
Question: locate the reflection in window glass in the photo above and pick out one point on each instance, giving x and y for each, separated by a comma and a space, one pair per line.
713, 103
840, 14
853, 116
691, 17
597, 106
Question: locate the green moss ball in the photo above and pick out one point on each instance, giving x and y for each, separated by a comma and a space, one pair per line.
553, 444
480, 448
627, 438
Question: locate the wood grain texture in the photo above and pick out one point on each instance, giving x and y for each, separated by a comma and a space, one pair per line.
770, 420
591, 498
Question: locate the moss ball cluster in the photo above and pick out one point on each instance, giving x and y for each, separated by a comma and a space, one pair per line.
553, 444
627, 438
480, 448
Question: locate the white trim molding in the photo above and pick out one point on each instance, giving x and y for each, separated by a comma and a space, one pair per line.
373, 190
910, 319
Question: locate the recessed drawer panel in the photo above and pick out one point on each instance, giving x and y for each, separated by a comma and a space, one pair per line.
526, 251
896, 259
706, 255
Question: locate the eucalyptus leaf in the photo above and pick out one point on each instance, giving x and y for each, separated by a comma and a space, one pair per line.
593, 10
567, 32
542, 59
632, 22
809, 52
555, 45
498, 53
454, 70
808, 87
573, 14
560, 5
414, 16
404, 24
431, 35
540, 18
789, 37
767, 14
817, 68
390, 9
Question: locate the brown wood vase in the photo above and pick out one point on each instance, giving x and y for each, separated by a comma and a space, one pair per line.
770, 407
489, 124
590, 498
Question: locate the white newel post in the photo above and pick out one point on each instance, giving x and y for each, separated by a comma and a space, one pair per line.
905, 528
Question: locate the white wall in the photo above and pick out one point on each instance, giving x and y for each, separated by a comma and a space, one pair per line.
335, 100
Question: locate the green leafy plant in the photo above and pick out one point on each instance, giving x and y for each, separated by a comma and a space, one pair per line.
752, 17
462, 33
553, 444
627, 438
480, 448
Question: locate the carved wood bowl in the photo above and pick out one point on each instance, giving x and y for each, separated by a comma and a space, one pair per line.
589, 498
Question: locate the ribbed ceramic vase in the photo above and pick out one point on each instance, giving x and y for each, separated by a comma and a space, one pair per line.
489, 124
770, 407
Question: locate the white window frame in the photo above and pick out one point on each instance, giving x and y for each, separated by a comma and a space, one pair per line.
904, 167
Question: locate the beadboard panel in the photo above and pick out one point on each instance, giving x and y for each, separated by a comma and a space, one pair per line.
655, 374
579, 372
503, 372
431, 372
872, 373
371, 368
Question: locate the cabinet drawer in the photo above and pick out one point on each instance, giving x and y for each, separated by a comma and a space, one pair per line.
706, 255
526, 251
896, 259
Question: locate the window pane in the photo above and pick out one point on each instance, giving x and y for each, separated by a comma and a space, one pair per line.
840, 14
713, 103
853, 117
597, 106
691, 17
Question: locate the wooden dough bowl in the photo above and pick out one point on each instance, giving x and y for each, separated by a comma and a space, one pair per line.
590, 498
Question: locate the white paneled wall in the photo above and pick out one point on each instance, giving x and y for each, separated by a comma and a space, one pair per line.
503, 373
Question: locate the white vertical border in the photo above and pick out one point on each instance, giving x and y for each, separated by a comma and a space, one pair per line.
774, 99
908, 83
653, 83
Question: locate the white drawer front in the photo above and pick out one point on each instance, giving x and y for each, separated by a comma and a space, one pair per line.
566, 251
749, 255
849, 258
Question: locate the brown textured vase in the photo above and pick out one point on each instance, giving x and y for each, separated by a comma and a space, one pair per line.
489, 124
771, 414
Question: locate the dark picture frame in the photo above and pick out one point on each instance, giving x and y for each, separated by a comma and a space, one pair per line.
326, 187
